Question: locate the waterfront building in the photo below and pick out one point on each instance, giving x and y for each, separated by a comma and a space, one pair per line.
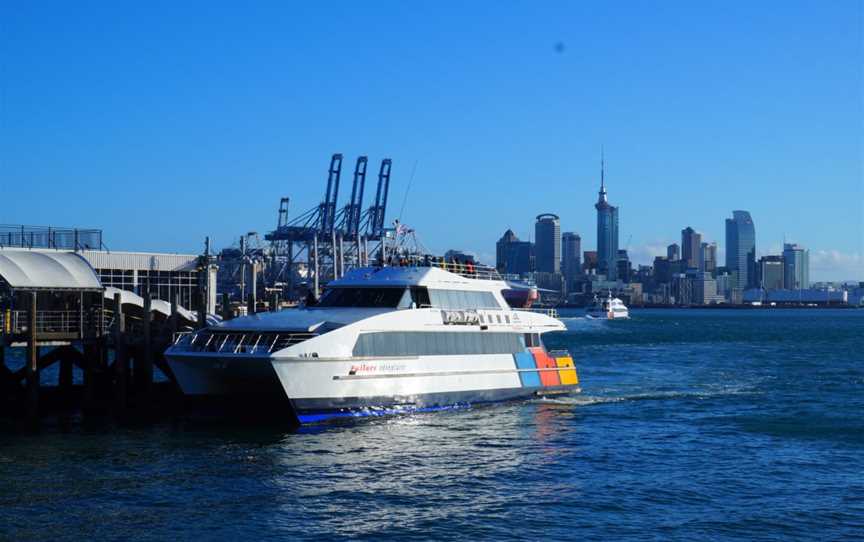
705, 290
771, 272
741, 249
662, 270
796, 267
547, 243
724, 283
512, 256
571, 255
673, 252
682, 289
691, 245
708, 258
607, 231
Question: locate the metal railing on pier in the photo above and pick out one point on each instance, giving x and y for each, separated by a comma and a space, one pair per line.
17, 236
65, 322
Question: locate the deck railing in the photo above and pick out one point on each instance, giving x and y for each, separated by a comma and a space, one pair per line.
469, 271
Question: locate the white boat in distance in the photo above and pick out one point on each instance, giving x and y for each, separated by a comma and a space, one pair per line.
381, 340
610, 308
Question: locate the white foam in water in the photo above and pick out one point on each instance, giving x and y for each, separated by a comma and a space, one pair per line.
586, 400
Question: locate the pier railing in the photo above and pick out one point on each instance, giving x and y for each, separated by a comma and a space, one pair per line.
222, 342
17, 236
52, 322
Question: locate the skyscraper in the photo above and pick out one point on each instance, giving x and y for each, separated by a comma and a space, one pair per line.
607, 231
771, 272
708, 258
673, 252
691, 245
571, 255
513, 256
741, 249
796, 267
547, 243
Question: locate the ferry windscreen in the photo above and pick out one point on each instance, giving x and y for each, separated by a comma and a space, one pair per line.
362, 297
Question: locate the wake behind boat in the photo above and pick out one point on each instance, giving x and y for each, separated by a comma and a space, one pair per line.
381, 339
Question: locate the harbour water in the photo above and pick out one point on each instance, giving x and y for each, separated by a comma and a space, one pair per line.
691, 424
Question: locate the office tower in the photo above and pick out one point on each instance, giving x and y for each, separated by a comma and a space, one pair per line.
796, 267
708, 258
571, 255
673, 252
625, 268
607, 231
691, 244
771, 272
547, 243
512, 256
741, 249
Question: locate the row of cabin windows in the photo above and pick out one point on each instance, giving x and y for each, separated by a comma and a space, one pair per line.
404, 298
422, 343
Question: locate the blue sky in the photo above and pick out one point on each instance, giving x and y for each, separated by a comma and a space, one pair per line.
163, 122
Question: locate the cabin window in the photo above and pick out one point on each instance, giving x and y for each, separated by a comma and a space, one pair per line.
420, 296
362, 297
532, 340
421, 343
461, 299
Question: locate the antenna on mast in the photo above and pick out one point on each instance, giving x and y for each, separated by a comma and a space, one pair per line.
602, 199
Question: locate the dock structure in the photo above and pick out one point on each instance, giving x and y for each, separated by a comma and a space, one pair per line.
321, 243
55, 310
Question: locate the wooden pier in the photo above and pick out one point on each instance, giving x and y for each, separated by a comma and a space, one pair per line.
66, 320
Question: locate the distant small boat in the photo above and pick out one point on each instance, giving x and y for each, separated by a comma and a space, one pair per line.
610, 308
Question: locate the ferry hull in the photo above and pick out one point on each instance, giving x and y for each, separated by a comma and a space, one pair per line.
223, 376
325, 389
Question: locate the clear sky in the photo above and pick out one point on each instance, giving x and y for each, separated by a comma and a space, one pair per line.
163, 122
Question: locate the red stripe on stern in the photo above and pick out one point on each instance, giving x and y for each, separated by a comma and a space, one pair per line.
545, 361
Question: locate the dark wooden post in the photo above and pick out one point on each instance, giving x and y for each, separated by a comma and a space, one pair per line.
202, 309
274, 301
92, 365
250, 304
121, 362
226, 307
65, 379
32, 363
144, 362
172, 320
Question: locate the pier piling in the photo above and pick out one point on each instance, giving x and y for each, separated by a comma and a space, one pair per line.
32, 363
121, 361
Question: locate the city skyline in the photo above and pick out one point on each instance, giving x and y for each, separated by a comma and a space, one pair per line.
166, 117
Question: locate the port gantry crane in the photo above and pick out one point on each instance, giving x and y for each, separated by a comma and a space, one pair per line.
326, 238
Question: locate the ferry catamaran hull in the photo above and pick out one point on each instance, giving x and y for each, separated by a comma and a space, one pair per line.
376, 346
321, 389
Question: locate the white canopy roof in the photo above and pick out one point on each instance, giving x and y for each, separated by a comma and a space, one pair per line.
31, 269
156, 305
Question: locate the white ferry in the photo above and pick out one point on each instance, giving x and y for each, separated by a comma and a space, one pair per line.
610, 308
381, 340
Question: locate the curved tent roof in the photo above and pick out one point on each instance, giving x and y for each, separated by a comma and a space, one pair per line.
33, 269
156, 305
